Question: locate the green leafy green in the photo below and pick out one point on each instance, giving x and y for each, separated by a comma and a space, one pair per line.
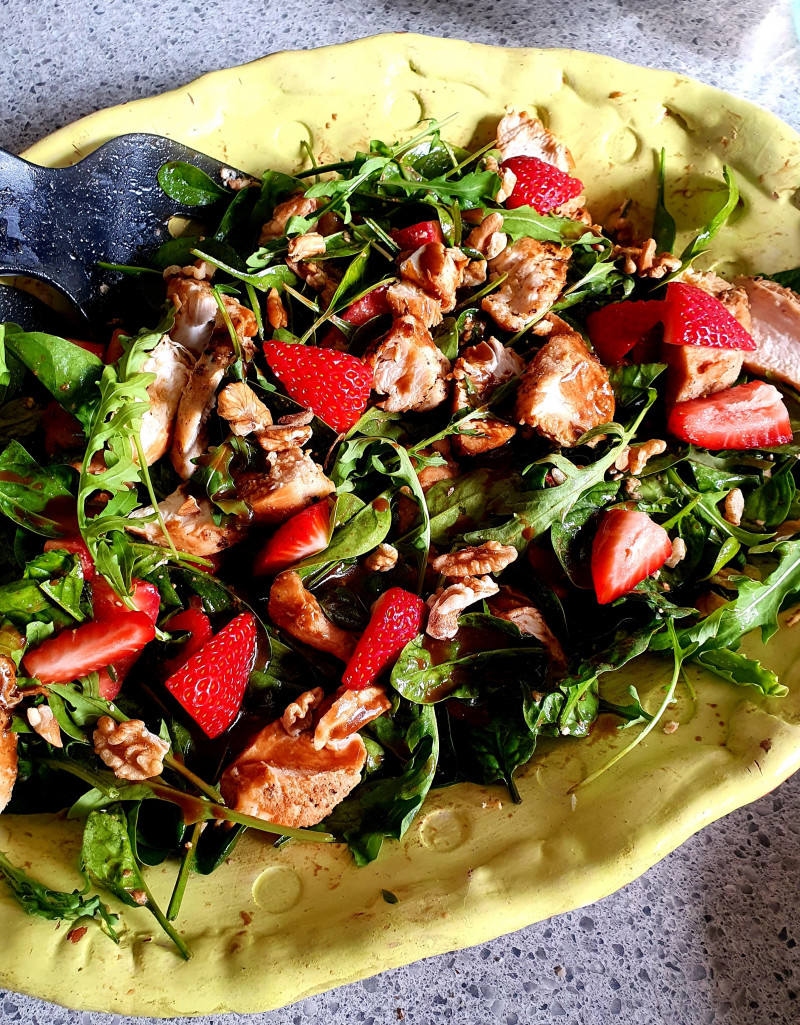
663, 222
187, 184
29, 492
525, 222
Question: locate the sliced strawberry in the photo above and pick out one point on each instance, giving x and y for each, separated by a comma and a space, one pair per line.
115, 350
75, 546
694, 317
74, 653
617, 328
396, 619
95, 348
748, 416
62, 431
333, 385
540, 185
373, 304
198, 626
303, 535
106, 603
628, 547
211, 684
416, 235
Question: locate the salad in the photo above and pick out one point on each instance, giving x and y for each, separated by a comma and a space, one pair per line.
389, 465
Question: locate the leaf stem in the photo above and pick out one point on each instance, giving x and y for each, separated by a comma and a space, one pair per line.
183, 875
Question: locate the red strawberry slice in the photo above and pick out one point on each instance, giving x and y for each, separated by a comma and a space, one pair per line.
416, 235
617, 328
373, 304
694, 317
540, 185
396, 619
198, 626
748, 416
75, 546
303, 535
75, 653
62, 431
333, 385
211, 684
106, 605
628, 547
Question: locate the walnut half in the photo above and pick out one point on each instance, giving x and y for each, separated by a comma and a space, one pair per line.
129, 748
491, 557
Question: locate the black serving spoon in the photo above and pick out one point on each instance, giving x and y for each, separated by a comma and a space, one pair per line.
58, 224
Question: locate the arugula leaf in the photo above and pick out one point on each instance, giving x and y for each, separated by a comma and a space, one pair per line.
263, 280
769, 505
525, 222
565, 533
633, 714
214, 475
38, 899
28, 492
107, 855
389, 806
190, 186
67, 371
663, 222
737, 668
473, 190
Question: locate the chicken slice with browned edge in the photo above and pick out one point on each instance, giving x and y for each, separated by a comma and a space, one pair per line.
296, 610
536, 273
775, 316
190, 525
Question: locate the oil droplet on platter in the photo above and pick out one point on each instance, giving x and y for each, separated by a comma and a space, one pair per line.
277, 889
443, 830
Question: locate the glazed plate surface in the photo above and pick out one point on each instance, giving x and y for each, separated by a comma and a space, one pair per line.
273, 926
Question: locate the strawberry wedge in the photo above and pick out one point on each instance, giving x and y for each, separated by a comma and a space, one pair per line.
628, 547
540, 185
303, 535
617, 328
75, 546
89, 648
693, 317
416, 235
748, 416
106, 605
335, 386
373, 304
211, 684
198, 626
396, 619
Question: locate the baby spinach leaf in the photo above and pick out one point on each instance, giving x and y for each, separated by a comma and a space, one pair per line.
364, 531
768, 506
787, 278
28, 491
68, 372
190, 186
107, 855
19, 418
38, 899
389, 806
565, 533
495, 752
23, 602
631, 383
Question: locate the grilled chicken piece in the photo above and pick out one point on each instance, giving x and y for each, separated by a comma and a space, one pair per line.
296, 610
407, 300
565, 391
287, 780
520, 135
536, 273
477, 372
195, 310
190, 525
191, 438
408, 368
515, 607
296, 206
294, 481
429, 475
172, 365
775, 313
437, 270
9, 698
487, 238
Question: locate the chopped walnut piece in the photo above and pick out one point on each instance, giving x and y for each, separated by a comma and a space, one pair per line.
129, 749
301, 419
349, 712
678, 553
670, 726
515, 607
299, 715
447, 604
645, 261
381, 559
243, 409
437, 270
734, 507
10, 695
536, 273
491, 557
281, 438
296, 610
276, 311
44, 723
507, 179
709, 602
303, 247
634, 458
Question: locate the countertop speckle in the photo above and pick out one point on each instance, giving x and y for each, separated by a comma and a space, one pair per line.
708, 935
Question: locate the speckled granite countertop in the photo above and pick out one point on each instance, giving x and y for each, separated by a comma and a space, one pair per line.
709, 934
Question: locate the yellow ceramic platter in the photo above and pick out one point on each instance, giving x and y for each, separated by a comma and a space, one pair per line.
274, 926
